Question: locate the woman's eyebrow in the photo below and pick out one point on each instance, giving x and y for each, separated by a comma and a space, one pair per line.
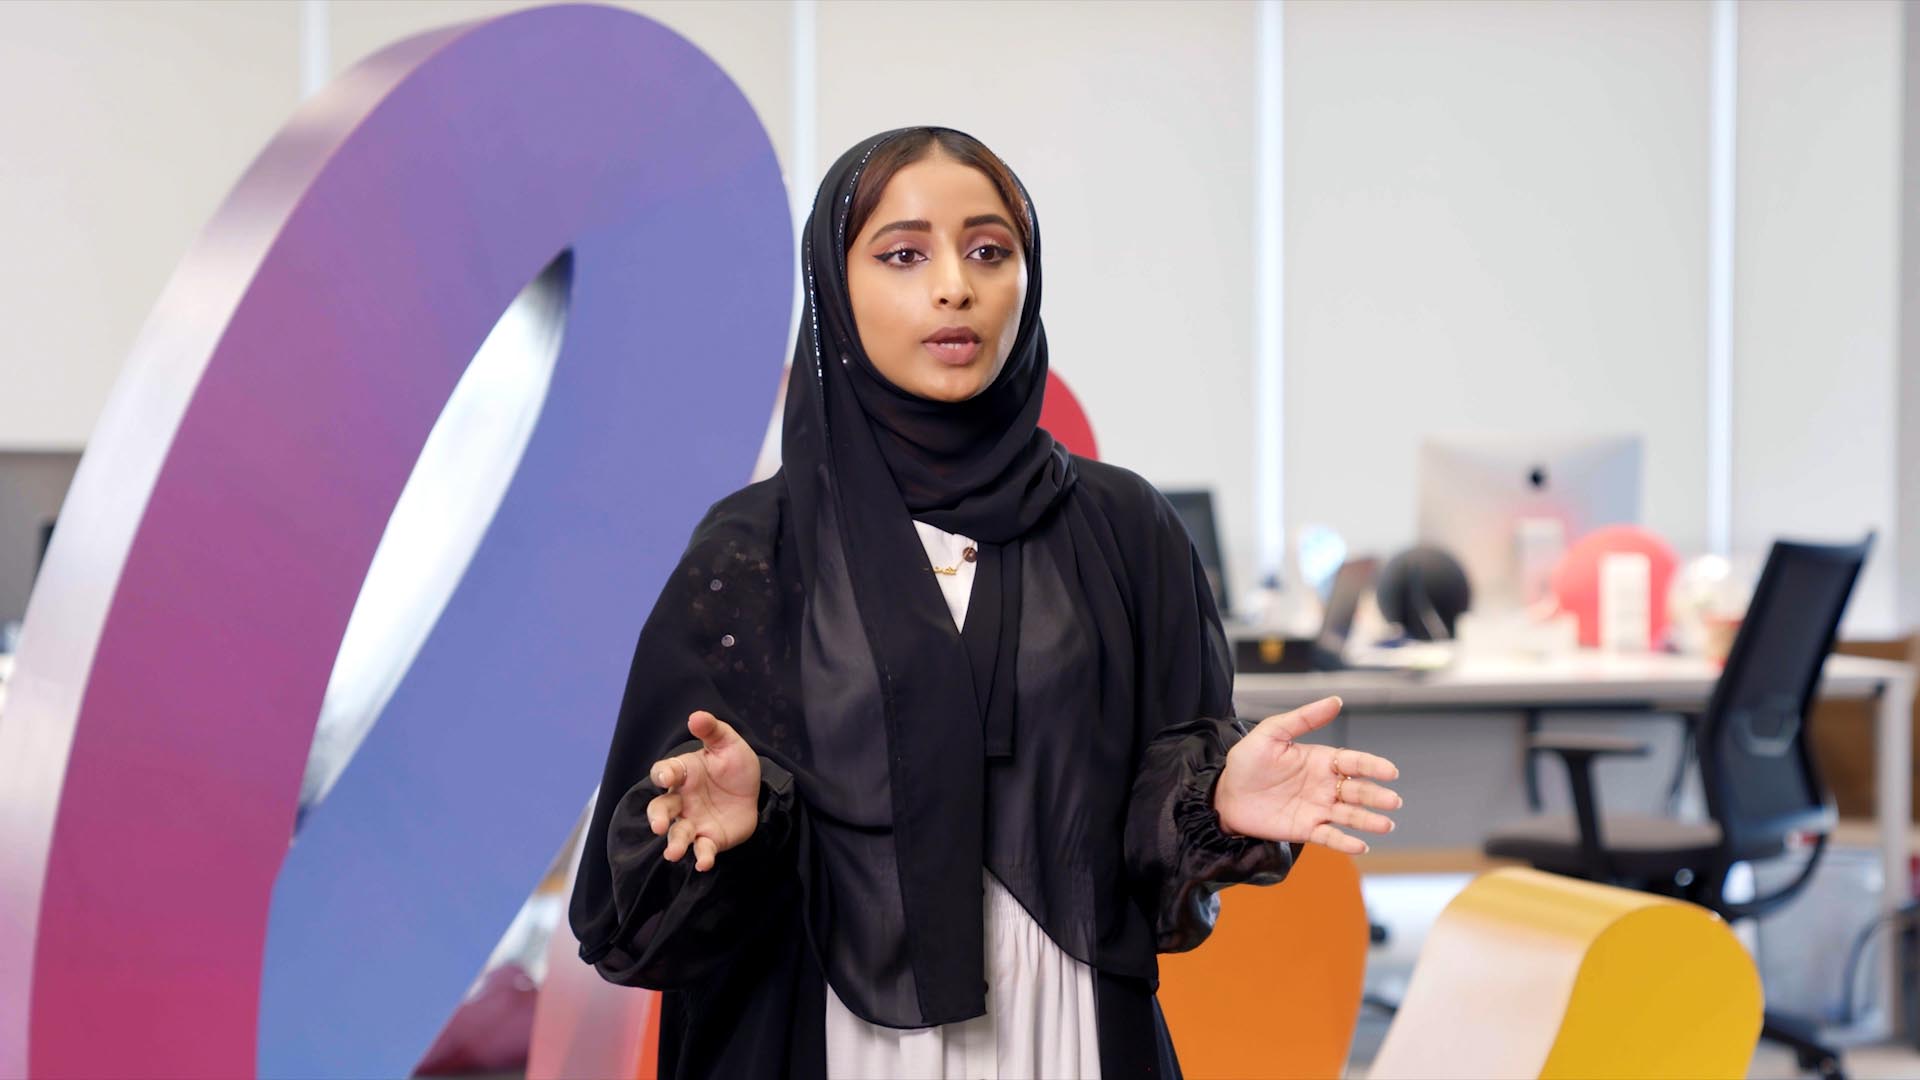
916, 225
987, 219
923, 225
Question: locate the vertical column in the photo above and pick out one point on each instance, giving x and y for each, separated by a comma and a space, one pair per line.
1269, 302
316, 47
1722, 120
1907, 464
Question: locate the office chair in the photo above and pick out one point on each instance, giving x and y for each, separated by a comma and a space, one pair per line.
1755, 763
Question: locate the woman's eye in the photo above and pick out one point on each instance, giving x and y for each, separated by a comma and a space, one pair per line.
901, 257
995, 253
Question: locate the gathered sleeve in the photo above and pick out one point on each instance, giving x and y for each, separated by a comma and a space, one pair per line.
1178, 857
713, 641
677, 925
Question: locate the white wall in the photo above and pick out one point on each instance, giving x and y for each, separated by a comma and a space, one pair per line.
124, 125
1497, 221
1496, 218
1816, 427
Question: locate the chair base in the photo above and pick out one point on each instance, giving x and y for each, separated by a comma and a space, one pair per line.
1813, 1056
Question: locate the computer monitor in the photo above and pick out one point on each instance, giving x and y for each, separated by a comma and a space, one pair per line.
1504, 505
1196, 512
46, 541
33, 485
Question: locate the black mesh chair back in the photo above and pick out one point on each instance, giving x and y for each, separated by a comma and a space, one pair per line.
1755, 758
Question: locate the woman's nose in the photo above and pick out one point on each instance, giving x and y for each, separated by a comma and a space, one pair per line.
951, 288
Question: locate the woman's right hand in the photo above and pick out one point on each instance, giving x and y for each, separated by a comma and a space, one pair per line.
712, 798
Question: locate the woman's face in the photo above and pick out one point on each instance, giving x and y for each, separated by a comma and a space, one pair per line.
937, 280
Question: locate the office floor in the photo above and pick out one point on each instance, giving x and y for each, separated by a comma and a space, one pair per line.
1882, 1062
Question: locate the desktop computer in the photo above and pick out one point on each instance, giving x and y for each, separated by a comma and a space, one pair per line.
1506, 506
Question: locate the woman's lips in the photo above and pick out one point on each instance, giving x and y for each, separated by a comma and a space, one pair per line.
954, 353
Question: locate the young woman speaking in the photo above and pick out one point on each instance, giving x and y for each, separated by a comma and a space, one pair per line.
962, 754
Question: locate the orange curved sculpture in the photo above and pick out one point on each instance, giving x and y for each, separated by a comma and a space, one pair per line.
1274, 992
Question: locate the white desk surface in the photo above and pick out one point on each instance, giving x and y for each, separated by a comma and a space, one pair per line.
1498, 682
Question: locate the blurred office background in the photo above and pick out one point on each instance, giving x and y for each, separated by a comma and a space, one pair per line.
1482, 217
1285, 242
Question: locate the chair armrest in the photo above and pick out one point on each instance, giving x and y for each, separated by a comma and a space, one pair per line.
1579, 751
1571, 744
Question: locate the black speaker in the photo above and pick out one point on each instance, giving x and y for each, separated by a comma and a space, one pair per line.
1424, 589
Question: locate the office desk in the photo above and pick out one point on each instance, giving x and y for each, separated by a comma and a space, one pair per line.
1623, 683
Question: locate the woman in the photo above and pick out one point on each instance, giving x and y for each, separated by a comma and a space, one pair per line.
962, 755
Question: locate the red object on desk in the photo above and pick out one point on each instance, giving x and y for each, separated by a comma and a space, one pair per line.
1576, 581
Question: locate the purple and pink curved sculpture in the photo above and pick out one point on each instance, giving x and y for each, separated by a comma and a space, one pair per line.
156, 916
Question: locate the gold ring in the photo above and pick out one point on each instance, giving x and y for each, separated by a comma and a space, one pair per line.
1338, 785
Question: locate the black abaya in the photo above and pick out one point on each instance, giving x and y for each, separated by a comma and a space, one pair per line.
744, 994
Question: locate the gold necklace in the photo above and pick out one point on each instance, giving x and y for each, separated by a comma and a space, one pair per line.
968, 555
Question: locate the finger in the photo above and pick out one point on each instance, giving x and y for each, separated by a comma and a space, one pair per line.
1306, 718
661, 812
679, 836
1326, 835
704, 852
1353, 817
1356, 763
1369, 794
713, 732
668, 773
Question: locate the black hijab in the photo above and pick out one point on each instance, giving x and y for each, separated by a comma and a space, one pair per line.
981, 467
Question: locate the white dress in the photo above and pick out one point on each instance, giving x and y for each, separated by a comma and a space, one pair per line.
1040, 1004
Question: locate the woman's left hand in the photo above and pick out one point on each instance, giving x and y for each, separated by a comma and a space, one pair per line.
1277, 789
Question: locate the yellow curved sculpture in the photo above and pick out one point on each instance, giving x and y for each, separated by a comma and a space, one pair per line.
1532, 974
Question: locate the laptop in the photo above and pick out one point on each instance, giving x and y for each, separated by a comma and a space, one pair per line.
1350, 585
1329, 650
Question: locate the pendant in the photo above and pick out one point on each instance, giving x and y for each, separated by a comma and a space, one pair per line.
967, 555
